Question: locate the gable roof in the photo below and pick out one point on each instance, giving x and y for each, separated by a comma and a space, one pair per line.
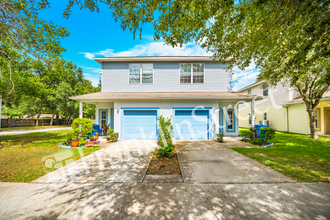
251, 85
154, 58
158, 95
326, 96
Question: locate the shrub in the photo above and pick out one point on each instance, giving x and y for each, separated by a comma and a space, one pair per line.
245, 134
110, 131
220, 137
165, 151
113, 137
267, 133
82, 126
254, 132
258, 141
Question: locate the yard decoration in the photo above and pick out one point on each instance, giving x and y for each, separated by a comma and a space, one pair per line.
105, 127
97, 135
165, 137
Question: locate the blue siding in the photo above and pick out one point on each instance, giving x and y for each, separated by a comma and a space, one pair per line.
140, 124
166, 78
190, 128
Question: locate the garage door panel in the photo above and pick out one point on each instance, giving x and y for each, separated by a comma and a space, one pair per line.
189, 127
136, 121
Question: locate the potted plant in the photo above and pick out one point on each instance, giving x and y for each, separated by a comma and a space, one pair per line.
65, 144
73, 138
89, 144
92, 139
97, 135
82, 142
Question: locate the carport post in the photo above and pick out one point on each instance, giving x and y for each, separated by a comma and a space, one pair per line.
80, 109
252, 113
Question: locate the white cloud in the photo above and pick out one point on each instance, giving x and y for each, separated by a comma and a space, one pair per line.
244, 78
153, 49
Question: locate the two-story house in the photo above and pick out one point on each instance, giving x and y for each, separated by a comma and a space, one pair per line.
193, 90
284, 109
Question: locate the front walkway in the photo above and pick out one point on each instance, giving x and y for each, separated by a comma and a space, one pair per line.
210, 161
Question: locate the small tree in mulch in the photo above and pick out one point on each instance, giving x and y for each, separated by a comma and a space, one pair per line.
165, 137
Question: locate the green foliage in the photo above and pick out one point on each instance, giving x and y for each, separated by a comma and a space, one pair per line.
258, 141
220, 137
82, 141
165, 137
82, 126
268, 133
287, 40
110, 130
246, 134
113, 137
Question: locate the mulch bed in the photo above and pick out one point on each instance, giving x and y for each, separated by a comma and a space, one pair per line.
164, 166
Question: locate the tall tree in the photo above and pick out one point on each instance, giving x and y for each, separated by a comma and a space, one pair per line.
288, 39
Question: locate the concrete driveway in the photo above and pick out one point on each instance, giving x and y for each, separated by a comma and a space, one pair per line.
123, 161
213, 162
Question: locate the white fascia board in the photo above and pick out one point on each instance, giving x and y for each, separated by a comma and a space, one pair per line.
113, 98
154, 58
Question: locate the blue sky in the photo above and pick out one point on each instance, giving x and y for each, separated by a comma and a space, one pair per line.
97, 34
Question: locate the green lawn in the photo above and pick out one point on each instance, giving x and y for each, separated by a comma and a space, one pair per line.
296, 156
32, 127
21, 155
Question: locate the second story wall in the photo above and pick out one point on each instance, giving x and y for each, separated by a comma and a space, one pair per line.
166, 78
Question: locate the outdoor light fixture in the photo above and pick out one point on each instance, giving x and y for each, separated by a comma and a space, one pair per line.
117, 110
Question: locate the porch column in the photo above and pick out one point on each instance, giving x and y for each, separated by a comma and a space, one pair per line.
80, 109
252, 113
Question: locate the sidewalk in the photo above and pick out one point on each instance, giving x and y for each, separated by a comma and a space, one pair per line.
32, 130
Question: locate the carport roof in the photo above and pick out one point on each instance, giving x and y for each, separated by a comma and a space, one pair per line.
159, 95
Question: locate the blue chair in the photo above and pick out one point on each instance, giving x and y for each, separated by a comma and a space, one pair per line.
96, 128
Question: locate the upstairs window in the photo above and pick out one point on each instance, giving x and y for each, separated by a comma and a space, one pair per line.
265, 90
141, 73
191, 73
249, 91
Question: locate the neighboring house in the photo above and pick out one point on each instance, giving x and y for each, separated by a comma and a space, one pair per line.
135, 91
283, 109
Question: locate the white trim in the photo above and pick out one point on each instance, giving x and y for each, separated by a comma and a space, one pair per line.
155, 58
300, 102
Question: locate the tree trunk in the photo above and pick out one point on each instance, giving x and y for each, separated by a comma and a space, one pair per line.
312, 122
37, 122
51, 120
68, 122
57, 119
